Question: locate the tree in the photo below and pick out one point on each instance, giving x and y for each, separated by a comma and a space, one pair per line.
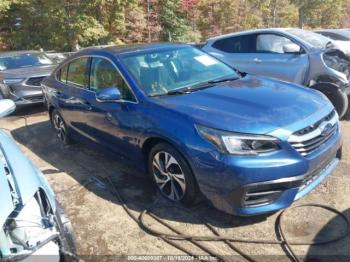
320, 13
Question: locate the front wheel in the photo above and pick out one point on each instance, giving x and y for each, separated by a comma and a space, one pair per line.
172, 175
336, 95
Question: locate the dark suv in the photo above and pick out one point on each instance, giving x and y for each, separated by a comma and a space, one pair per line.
21, 74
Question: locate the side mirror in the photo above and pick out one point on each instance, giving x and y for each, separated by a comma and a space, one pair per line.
7, 106
291, 49
110, 94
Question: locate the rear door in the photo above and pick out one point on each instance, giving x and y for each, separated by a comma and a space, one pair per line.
237, 51
74, 85
272, 58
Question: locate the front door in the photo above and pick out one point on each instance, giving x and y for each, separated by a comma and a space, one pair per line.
273, 59
110, 123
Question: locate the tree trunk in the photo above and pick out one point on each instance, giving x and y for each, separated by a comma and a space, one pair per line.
274, 13
301, 17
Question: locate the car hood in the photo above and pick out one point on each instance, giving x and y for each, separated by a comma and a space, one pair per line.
27, 72
343, 46
249, 105
27, 178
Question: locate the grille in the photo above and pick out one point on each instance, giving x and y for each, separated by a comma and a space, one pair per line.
310, 138
266, 193
311, 177
35, 81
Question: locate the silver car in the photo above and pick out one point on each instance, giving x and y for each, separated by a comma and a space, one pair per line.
32, 222
292, 55
21, 73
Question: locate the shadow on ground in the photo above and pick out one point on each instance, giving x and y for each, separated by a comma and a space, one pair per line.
83, 162
29, 110
337, 251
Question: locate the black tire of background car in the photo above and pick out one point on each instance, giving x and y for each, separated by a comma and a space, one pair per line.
66, 237
191, 192
4, 91
336, 95
67, 140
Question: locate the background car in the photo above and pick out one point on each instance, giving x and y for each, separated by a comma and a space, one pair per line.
336, 34
21, 73
292, 55
58, 57
249, 144
341, 38
32, 221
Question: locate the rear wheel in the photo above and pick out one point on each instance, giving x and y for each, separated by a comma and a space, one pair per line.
172, 175
60, 127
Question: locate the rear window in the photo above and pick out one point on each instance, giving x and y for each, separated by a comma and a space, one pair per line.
77, 72
237, 44
62, 74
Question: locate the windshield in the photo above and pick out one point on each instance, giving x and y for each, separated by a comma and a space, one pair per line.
160, 72
312, 38
24, 60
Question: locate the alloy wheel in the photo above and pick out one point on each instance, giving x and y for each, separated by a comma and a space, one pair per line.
169, 176
60, 128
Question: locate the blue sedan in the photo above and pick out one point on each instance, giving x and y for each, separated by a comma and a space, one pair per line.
248, 144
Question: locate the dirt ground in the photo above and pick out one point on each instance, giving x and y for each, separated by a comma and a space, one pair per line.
102, 227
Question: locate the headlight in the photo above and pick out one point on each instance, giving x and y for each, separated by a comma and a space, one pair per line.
10, 81
238, 144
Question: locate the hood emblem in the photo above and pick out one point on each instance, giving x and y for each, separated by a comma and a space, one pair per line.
327, 129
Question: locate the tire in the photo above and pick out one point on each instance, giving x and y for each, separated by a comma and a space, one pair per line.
66, 237
336, 95
4, 91
181, 185
60, 127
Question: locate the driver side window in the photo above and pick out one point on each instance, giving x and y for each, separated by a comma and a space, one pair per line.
271, 43
103, 74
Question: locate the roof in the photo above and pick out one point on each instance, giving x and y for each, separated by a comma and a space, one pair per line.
9, 53
251, 31
333, 30
130, 48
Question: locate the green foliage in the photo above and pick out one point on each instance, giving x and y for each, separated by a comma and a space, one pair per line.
66, 24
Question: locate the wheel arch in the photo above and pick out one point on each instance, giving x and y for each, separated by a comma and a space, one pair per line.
50, 110
152, 141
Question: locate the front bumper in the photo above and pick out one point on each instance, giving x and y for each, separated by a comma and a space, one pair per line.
23, 95
243, 185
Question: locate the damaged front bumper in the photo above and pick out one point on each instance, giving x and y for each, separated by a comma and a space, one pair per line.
22, 94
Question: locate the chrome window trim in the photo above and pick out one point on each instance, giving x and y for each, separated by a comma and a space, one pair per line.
88, 87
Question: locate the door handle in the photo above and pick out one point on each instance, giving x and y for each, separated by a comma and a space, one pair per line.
257, 60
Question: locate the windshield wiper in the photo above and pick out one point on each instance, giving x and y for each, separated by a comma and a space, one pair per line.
223, 79
190, 89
